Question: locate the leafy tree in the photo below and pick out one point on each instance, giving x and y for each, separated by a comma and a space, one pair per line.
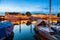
28, 13
58, 15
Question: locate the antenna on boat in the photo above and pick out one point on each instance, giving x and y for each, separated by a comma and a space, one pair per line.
49, 14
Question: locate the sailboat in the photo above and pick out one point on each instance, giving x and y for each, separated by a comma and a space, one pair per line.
43, 32
52, 32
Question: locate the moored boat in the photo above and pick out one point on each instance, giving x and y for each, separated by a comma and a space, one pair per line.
44, 33
6, 29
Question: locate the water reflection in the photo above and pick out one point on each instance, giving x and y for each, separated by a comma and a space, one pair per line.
28, 23
24, 32
20, 28
31, 28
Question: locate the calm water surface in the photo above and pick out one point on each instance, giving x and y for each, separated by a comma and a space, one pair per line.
24, 32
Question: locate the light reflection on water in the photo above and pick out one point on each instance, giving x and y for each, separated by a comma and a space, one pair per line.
23, 32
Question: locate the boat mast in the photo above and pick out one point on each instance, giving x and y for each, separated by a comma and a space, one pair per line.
50, 8
49, 14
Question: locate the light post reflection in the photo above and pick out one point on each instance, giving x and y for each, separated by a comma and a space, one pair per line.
20, 26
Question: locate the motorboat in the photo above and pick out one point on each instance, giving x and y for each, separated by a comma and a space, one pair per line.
6, 29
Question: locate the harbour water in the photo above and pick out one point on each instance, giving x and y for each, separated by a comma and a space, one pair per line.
24, 32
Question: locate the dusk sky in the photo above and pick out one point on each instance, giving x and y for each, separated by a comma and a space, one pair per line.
29, 5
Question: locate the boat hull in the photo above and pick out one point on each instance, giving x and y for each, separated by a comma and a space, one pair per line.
10, 37
6, 29
43, 36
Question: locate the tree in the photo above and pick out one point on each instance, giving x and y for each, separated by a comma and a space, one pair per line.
58, 15
28, 13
